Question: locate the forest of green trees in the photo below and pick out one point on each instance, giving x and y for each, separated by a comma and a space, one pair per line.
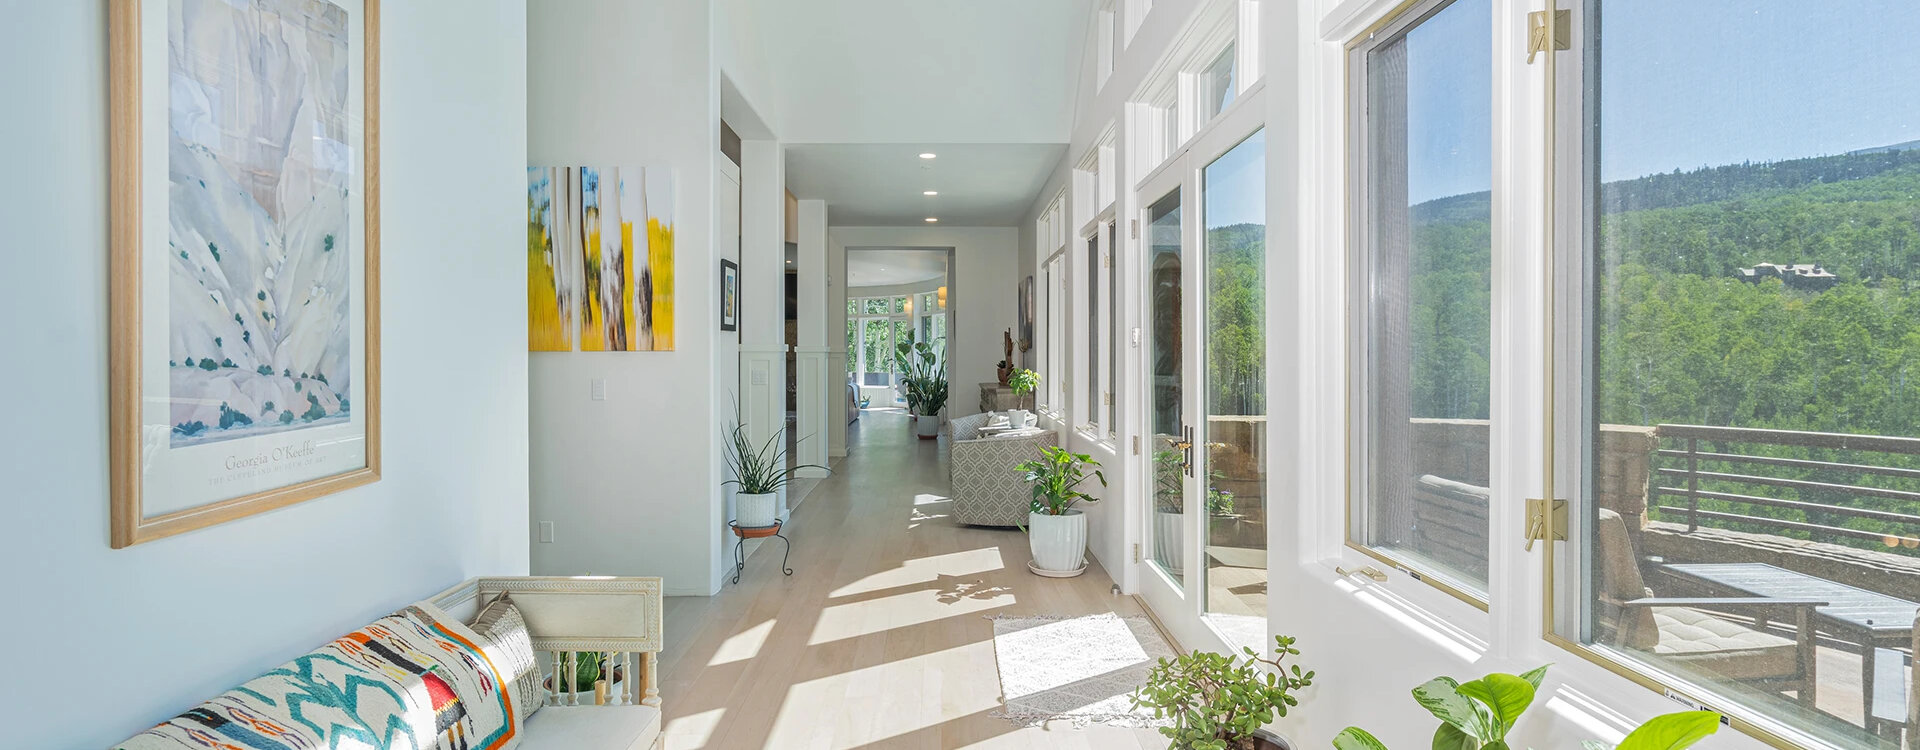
1678, 339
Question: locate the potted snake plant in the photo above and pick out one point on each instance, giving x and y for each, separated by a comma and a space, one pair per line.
1056, 532
759, 472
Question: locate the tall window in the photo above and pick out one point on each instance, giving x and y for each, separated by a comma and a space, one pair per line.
1092, 332
1739, 390
1233, 195
1421, 290
1113, 333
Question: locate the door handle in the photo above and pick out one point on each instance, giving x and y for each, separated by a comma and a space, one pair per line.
1186, 448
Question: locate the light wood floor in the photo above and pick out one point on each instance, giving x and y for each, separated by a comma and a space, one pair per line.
878, 639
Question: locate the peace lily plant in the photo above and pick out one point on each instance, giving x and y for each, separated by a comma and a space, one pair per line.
1477, 716
1056, 533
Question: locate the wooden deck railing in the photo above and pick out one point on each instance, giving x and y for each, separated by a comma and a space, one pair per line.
1819, 483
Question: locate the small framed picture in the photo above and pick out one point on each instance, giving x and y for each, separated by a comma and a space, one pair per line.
729, 295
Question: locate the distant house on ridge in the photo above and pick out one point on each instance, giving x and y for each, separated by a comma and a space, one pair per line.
1803, 276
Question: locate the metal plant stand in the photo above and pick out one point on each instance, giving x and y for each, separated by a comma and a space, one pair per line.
756, 532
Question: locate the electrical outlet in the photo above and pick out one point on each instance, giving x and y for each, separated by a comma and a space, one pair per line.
546, 532
597, 389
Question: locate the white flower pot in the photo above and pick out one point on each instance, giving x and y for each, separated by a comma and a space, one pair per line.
927, 427
1167, 541
756, 510
1059, 543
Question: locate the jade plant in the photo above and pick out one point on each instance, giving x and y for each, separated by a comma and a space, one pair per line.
1477, 715
1219, 702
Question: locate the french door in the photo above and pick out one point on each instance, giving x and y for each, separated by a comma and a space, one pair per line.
1202, 241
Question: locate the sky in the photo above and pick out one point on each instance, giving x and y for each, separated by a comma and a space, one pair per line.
1236, 184
1684, 84
1711, 82
1450, 102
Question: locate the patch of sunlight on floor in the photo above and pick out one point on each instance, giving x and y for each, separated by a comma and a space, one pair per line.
940, 599
743, 645
692, 731
921, 570
872, 704
927, 499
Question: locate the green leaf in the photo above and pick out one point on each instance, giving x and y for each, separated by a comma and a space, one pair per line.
1450, 737
1536, 676
1441, 696
1355, 738
1672, 731
1508, 697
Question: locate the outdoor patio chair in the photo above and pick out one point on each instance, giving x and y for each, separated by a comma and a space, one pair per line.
1701, 634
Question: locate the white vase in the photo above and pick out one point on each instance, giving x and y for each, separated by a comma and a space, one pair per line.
1168, 534
753, 511
1059, 543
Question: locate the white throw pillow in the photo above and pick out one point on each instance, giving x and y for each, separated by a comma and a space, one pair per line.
500, 623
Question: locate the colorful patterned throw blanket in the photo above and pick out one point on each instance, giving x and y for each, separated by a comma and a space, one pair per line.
415, 680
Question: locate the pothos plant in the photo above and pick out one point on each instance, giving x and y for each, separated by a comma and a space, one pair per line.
1477, 715
1056, 478
1218, 702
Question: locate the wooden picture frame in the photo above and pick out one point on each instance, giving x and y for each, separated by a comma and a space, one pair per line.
169, 478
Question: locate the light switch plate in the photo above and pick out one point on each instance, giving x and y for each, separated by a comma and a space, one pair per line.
598, 388
546, 532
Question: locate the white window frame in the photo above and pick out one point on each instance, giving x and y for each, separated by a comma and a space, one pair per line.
1420, 587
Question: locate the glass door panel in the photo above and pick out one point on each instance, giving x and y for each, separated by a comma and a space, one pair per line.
1233, 206
1172, 439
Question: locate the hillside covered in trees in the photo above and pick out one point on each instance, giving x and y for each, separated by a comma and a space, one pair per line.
1680, 340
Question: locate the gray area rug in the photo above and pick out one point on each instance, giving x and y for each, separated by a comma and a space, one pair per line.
1081, 669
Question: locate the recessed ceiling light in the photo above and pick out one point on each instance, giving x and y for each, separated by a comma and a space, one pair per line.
931, 220
927, 155
931, 192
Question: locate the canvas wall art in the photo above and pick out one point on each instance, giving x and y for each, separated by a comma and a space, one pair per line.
600, 248
552, 282
245, 257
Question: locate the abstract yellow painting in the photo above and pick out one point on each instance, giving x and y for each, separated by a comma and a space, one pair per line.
600, 249
656, 278
550, 277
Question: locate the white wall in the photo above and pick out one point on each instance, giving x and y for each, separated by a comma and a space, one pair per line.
631, 483
981, 294
108, 642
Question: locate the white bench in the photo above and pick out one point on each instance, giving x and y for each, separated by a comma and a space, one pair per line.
400, 662
592, 614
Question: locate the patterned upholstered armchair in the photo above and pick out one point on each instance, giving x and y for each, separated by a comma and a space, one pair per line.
987, 489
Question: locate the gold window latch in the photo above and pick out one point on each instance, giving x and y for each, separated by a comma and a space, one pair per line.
1538, 34
1541, 516
1368, 571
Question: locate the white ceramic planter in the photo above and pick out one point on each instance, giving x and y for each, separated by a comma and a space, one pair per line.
1059, 543
1168, 543
927, 427
756, 510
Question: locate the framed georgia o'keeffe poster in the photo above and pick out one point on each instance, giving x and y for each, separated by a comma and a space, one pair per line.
244, 274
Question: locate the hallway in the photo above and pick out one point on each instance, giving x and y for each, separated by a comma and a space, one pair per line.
878, 639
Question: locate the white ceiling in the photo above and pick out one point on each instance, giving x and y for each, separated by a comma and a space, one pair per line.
922, 71
882, 185
863, 86
889, 266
